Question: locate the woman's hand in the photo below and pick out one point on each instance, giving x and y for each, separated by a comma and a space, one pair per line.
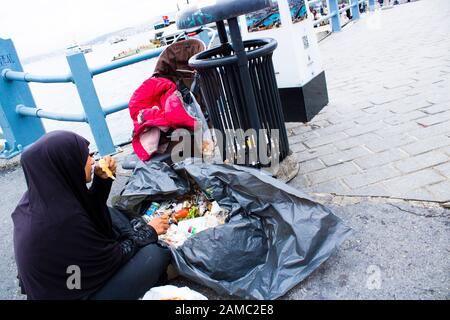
110, 163
160, 224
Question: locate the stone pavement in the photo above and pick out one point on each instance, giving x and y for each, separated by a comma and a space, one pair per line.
384, 133
398, 249
386, 130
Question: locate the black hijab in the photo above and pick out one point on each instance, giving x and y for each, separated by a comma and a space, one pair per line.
59, 222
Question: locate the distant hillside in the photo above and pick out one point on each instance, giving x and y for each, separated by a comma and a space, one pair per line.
130, 31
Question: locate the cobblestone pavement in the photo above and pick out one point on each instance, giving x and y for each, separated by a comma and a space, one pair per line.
386, 130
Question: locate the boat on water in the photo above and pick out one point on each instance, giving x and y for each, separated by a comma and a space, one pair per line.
117, 40
162, 27
132, 52
86, 49
81, 48
170, 35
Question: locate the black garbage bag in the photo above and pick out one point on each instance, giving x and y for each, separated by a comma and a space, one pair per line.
274, 237
151, 181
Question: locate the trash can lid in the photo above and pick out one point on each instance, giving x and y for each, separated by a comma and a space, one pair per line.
207, 11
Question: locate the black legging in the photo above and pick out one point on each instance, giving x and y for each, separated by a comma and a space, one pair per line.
145, 270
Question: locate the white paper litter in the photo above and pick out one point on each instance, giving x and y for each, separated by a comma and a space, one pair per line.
173, 293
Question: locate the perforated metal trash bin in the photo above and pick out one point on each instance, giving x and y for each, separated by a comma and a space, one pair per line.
226, 94
238, 85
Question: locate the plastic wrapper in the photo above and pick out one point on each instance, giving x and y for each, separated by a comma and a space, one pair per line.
173, 293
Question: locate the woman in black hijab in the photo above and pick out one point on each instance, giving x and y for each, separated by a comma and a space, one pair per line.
67, 243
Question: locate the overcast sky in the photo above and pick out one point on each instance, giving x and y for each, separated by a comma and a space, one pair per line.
39, 26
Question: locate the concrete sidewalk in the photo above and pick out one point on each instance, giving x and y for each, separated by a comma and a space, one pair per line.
383, 138
386, 131
399, 249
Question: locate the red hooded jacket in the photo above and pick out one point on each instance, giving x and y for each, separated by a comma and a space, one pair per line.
156, 104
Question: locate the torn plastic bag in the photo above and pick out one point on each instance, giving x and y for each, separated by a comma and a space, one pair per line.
274, 237
151, 181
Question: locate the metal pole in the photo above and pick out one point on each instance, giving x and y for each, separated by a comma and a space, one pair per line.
18, 131
127, 61
247, 91
355, 9
336, 19
26, 77
246, 81
238, 47
39, 113
222, 32
96, 118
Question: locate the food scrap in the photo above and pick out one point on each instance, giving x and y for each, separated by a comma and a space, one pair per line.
105, 168
194, 212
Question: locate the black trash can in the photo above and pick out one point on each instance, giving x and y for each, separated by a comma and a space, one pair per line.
239, 87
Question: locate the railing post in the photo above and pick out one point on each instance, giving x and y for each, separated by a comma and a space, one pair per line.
355, 9
371, 5
18, 131
336, 19
96, 118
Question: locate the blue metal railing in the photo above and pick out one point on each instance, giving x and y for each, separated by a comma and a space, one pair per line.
334, 12
20, 119
26, 77
81, 75
39, 113
18, 112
